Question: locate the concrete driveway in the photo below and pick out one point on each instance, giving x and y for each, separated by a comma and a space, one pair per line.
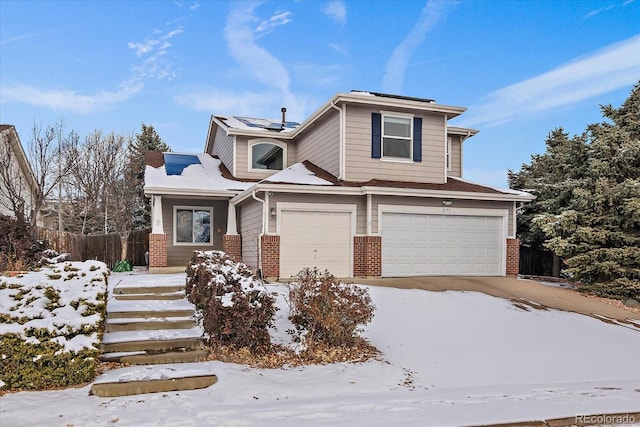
520, 291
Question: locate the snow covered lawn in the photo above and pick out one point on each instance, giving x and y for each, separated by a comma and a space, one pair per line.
449, 358
48, 313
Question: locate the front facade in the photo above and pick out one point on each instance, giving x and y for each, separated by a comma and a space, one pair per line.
369, 185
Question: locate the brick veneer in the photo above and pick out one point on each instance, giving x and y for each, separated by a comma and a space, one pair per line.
232, 246
270, 255
367, 256
157, 250
513, 257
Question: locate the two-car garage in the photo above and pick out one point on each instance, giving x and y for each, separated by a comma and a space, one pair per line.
416, 241
440, 243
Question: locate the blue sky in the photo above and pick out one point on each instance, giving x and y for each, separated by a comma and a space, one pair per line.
522, 68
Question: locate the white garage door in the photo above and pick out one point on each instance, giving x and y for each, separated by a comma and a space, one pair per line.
441, 245
315, 239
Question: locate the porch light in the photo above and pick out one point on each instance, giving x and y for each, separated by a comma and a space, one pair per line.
447, 202
272, 211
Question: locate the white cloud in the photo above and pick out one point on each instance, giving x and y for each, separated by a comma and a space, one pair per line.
319, 75
433, 12
278, 19
69, 100
337, 11
194, 6
154, 50
597, 11
614, 67
254, 59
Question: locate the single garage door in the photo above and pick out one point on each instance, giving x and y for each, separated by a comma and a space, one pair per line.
441, 245
315, 239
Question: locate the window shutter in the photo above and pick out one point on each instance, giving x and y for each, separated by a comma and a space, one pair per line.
417, 139
376, 135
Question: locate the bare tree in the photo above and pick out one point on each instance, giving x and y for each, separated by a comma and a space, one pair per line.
50, 160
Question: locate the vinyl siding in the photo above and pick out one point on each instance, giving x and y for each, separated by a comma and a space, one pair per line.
437, 202
223, 148
361, 167
250, 228
242, 157
180, 255
321, 144
456, 157
360, 202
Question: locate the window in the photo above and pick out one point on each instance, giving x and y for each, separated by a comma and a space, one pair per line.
396, 137
192, 225
448, 154
266, 156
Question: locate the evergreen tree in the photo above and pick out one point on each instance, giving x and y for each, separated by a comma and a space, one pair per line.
587, 209
147, 140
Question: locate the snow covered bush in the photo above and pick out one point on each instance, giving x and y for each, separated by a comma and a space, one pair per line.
51, 324
325, 311
236, 308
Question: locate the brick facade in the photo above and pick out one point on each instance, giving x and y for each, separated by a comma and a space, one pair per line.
513, 257
270, 256
157, 250
367, 256
232, 246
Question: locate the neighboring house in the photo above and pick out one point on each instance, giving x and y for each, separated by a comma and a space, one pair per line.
18, 189
369, 185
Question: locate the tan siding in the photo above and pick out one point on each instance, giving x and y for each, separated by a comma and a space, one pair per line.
223, 148
179, 255
321, 144
361, 167
242, 158
456, 157
359, 201
436, 202
250, 227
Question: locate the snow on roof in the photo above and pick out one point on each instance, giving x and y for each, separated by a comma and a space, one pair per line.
501, 190
257, 124
204, 176
297, 174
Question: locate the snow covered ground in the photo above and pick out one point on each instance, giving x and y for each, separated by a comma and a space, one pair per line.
449, 358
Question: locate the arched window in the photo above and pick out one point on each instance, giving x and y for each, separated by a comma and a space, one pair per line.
266, 156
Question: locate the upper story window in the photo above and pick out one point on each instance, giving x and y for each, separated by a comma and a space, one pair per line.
192, 225
396, 136
266, 156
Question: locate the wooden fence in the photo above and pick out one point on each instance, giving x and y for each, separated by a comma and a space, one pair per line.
537, 262
102, 247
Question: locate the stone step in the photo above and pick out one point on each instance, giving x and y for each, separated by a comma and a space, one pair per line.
155, 340
154, 345
157, 289
152, 358
148, 324
155, 296
129, 388
154, 378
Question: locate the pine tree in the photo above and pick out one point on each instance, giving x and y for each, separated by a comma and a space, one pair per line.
587, 209
147, 140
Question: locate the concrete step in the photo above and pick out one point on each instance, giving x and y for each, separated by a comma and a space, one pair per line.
149, 314
149, 308
129, 388
158, 289
148, 324
151, 358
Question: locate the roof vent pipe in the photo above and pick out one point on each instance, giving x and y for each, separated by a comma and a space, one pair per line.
284, 113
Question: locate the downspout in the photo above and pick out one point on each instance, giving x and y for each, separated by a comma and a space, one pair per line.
262, 233
342, 161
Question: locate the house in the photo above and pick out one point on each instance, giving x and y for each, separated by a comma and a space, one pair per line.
18, 188
369, 185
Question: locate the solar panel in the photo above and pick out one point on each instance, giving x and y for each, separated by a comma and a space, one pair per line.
174, 164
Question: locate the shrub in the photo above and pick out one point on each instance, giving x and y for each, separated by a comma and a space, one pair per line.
327, 312
19, 250
236, 308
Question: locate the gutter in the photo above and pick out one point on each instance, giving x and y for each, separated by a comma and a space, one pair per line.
342, 142
265, 218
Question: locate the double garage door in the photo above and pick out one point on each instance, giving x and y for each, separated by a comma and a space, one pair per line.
441, 245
